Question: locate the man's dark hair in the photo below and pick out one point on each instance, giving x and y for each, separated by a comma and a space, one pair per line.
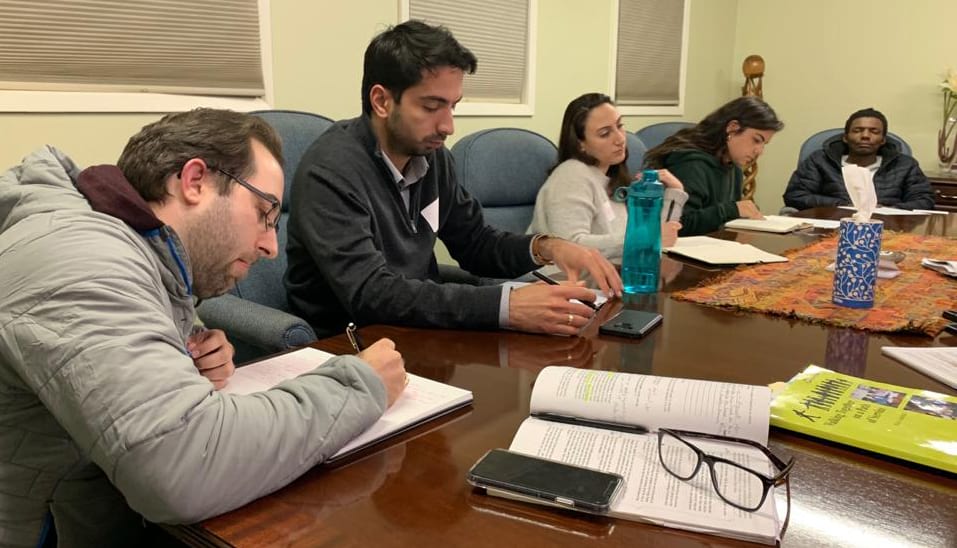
222, 138
710, 134
396, 58
866, 113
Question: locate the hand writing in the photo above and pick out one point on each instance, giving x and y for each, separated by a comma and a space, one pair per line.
213, 356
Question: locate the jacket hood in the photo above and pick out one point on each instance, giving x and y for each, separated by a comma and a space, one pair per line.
47, 180
43, 182
108, 191
835, 147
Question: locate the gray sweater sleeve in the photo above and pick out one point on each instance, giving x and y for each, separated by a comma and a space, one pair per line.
105, 358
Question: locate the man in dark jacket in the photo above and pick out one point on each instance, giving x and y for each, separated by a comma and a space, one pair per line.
372, 195
898, 180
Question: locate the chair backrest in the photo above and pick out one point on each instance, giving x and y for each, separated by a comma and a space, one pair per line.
655, 134
816, 141
503, 168
636, 152
298, 130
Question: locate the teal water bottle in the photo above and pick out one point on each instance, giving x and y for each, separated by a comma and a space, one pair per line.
641, 256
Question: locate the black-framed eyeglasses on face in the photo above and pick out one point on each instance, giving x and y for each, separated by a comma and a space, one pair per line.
271, 217
737, 484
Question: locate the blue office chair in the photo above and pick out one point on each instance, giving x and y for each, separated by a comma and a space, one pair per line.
655, 134
503, 168
636, 152
255, 314
816, 141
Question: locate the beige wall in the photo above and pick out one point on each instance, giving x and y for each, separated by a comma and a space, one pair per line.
317, 52
317, 66
817, 71
826, 59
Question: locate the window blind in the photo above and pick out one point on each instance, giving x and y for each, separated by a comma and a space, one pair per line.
649, 52
211, 47
496, 31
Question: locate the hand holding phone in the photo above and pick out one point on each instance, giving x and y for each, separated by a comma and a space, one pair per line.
631, 323
551, 482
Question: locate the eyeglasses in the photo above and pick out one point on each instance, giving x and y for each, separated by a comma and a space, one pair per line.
737, 484
270, 223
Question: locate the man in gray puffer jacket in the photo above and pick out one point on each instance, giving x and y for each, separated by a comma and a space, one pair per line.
109, 411
898, 180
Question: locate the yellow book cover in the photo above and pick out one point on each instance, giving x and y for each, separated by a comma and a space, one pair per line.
910, 424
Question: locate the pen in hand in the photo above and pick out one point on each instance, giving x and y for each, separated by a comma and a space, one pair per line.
354, 339
550, 281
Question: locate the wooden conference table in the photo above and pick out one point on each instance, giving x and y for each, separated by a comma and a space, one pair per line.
411, 491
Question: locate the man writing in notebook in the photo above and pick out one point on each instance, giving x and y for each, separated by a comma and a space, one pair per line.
110, 413
372, 195
898, 180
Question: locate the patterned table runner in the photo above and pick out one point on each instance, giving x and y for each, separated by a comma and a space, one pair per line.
801, 288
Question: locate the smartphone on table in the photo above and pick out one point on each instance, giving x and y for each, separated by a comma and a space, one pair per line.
547, 481
630, 323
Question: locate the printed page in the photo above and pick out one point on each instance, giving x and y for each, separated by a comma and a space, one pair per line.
717, 251
260, 376
936, 362
737, 410
421, 400
650, 492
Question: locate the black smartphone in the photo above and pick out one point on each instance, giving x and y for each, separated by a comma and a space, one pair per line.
950, 315
546, 480
630, 323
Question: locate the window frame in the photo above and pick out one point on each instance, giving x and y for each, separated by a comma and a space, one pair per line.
20, 101
525, 108
650, 110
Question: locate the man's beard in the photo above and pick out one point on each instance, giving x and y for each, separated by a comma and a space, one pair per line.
210, 249
400, 141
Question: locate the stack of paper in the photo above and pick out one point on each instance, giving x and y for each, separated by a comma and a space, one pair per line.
715, 251
938, 362
947, 268
893, 211
770, 223
886, 269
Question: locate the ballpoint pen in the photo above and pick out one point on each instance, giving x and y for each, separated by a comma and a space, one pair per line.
607, 425
353, 334
550, 281
671, 209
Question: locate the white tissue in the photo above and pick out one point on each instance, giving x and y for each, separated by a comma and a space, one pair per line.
860, 187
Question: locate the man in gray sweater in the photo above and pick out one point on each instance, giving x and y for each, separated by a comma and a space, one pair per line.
110, 412
372, 195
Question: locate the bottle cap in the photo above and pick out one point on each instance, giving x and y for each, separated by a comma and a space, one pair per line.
649, 176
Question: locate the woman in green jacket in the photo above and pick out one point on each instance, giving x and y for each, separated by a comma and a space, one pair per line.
708, 159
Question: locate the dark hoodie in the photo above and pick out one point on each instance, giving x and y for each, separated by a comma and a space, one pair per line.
713, 190
818, 181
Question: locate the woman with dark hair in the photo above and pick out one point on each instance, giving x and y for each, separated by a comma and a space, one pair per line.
708, 159
575, 202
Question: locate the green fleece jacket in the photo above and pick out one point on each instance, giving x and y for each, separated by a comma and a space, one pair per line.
713, 190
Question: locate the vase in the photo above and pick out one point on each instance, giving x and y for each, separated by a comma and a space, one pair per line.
947, 151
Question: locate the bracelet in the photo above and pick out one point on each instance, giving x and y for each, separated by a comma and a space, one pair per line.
540, 259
